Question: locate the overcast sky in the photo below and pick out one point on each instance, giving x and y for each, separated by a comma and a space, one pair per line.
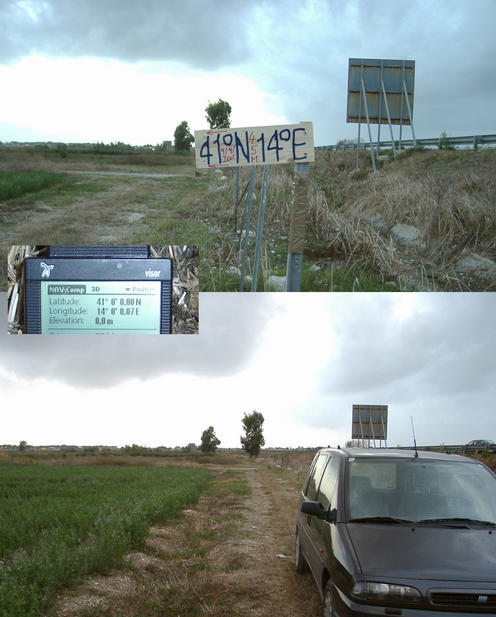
122, 70
302, 360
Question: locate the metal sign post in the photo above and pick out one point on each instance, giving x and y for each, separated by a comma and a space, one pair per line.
247, 214
297, 228
263, 146
261, 212
236, 200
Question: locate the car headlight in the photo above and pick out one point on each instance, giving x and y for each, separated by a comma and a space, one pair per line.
385, 592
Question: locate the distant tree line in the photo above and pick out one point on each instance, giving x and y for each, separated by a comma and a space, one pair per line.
252, 442
218, 115
121, 148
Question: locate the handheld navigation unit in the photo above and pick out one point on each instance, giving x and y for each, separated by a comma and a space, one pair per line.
98, 295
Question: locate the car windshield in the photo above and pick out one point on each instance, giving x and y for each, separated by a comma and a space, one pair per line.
419, 489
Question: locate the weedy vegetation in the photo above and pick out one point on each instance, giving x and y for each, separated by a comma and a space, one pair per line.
182, 566
448, 197
16, 184
60, 523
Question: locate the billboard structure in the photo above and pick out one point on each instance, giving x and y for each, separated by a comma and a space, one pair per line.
369, 423
381, 92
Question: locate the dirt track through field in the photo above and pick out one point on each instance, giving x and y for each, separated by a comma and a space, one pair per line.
227, 557
103, 208
108, 209
125, 174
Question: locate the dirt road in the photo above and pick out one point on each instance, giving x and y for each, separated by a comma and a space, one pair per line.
125, 174
232, 555
114, 208
97, 209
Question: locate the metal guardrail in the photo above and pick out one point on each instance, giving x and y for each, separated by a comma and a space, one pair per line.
448, 449
468, 140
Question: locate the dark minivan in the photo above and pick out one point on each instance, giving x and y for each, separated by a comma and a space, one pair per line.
401, 533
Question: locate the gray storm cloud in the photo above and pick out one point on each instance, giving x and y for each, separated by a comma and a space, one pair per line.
295, 50
308, 53
194, 32
230, 329
437, 365
447, 344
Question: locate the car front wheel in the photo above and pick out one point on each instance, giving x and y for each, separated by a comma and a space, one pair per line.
328, 611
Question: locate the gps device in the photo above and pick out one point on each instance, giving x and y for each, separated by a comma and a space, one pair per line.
98, 290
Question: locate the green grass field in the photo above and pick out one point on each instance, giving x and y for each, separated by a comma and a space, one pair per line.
60, 523
16, 184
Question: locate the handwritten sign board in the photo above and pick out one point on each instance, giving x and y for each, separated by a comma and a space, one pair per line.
261, 145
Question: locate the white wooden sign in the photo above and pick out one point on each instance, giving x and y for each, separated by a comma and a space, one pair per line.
260, 145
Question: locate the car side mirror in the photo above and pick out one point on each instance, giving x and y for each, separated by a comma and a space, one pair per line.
314, 508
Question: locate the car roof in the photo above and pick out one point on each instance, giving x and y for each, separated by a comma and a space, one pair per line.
396, 453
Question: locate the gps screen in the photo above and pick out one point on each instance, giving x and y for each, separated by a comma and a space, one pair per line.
96, 307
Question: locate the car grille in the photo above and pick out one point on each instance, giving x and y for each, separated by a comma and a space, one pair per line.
478, 600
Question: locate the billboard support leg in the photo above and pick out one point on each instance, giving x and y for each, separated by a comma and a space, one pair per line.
409, 113
368, 125
379, 119
389, 118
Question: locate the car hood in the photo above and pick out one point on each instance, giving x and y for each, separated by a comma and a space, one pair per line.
421, 552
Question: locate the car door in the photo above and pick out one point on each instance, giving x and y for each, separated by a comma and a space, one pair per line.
308, 537
321, 488
320, 530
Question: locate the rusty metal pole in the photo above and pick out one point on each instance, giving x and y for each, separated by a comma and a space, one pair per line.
297, 228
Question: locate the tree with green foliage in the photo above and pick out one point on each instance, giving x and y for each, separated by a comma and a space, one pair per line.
22, 445
218, 114
253, 439
444, 143
183, 137
209, 441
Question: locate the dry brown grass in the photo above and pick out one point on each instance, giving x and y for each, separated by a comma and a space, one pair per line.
449, 197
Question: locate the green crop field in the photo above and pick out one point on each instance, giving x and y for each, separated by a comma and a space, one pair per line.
16, 184
60, 523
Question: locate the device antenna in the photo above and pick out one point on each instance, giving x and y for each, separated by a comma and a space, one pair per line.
414, 440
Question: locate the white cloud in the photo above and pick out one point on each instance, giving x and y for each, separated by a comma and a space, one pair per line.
302, 360
91, 99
